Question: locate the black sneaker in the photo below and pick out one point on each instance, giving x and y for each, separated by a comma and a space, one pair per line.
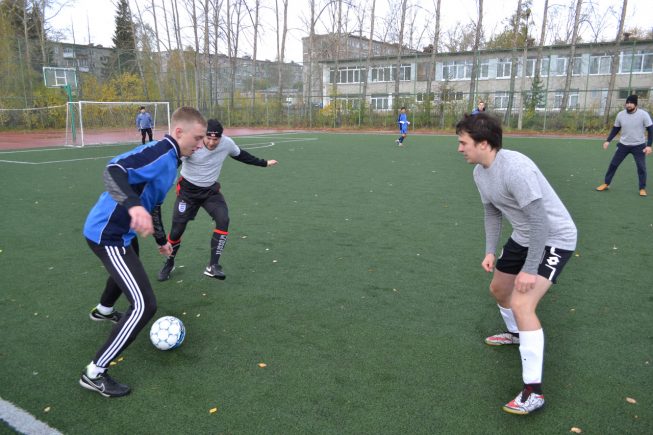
167, 268
104, 384
214, 271
114, 317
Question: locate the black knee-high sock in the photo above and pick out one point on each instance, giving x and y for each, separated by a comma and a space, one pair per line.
218, 241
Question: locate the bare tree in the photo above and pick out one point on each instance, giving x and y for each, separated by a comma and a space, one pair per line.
256, 25
191, 9
572, 56
281, 43
368, 62
430, 71
615, 63
477, 43
138, 53
402, 22
513, 62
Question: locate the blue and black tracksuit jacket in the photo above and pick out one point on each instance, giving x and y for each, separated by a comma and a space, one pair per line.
142, 176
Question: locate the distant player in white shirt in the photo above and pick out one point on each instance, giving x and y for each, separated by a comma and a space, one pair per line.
197, 187
542, 241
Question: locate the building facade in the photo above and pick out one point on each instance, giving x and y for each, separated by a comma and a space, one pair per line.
500, 74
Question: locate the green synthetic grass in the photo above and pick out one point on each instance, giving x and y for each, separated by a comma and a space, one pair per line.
353, 272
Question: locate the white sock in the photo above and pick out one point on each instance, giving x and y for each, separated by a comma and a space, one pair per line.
531, 348
93, 371
104, 310
509, 319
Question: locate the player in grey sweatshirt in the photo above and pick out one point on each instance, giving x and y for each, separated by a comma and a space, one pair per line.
542, 241
198, 187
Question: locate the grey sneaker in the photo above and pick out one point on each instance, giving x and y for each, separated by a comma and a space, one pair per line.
114, 317
166, 270
214, 271
104, 385
526, 402
502, 339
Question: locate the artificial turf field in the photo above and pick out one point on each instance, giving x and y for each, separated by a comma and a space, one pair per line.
353, 273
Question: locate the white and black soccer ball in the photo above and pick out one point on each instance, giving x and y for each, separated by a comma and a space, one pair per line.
167, 333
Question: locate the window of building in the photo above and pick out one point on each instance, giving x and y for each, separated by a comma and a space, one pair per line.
347, 75
484, 69
500, 100
380, 102
559, 67
388, 73
600, 64
637, 62
457, 70
405, 72
503, 68
451, 95
640, 92
572, 99
383, 74
422, 96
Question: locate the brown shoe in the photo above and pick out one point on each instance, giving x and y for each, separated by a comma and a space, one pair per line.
642, 192
602, 187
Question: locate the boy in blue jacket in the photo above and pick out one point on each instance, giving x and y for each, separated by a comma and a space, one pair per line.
136, 182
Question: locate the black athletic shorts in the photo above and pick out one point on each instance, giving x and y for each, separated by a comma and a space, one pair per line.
513, 257
191, 197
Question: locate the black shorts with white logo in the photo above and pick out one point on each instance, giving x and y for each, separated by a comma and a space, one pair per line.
191, 197
513, 257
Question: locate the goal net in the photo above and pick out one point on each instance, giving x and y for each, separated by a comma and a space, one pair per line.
104, 122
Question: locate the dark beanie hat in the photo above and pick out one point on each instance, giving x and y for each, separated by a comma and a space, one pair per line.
632, 99
214, 128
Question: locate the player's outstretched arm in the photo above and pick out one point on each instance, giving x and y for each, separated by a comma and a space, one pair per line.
272, 162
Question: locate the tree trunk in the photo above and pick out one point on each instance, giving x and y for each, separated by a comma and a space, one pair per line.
137, 56
614, 64
368, 62
513, 66
572, 55
430, 71
477, 43
395, 102
157, 56
257, 10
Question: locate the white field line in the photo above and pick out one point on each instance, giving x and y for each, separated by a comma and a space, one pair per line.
245, 147
22, 421
55, 161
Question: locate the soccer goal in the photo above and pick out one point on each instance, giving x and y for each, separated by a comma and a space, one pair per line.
108, 122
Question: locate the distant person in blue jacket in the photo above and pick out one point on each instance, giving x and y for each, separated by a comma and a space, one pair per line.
136, 183
144, 123
480, 108
403, 126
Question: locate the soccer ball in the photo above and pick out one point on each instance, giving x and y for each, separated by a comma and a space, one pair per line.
167, 333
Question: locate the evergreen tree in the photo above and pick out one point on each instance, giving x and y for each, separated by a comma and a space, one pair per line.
124, 58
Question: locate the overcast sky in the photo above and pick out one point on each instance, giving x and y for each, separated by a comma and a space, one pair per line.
96, 19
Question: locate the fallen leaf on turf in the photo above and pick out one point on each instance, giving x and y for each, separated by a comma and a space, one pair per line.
631, 400
213, 410
576, 430
46, 409
197, 315
262, 365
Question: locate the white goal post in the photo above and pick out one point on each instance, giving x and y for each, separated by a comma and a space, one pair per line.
109, 122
